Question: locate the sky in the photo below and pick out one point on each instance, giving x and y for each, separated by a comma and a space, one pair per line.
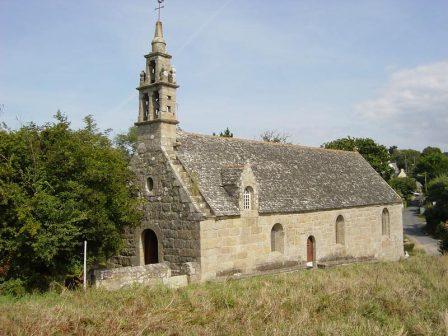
315, 70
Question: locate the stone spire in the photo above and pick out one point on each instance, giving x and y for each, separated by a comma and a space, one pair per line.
157, 113
158, 43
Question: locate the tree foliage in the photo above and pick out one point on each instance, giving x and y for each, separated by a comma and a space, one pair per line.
127, 142
437, 211
404, 186
432, 163
405, 158
377, 155
438, 191
275, 136
226, 134
59, 187
431, 150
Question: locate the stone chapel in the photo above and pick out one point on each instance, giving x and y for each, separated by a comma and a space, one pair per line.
217, 207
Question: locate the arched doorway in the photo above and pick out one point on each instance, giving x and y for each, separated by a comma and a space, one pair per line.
150, 247
310, 251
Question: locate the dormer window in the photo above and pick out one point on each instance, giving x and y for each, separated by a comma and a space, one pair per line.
248, 198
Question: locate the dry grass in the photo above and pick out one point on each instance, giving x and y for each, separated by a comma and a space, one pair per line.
405, 298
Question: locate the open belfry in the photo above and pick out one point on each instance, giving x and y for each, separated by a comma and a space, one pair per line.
218, 207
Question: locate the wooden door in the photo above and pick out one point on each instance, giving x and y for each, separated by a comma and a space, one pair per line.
151, 247
310, 249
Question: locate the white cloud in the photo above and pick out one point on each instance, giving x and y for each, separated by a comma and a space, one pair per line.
423, 89
414, 103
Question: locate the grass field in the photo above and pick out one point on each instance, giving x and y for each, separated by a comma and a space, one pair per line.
403, 298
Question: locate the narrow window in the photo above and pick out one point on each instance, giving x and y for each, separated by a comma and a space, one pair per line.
248, 198
149, 184
152, 71
156, 103
340, 230
385, 220
277, 238
169, 97
145, 103
169, 109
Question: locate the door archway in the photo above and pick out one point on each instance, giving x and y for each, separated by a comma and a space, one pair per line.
311, 251
150, 247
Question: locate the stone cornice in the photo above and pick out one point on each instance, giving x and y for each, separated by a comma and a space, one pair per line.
158, 54
149, 122
146, 86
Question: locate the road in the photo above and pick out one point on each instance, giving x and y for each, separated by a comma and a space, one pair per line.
413, 228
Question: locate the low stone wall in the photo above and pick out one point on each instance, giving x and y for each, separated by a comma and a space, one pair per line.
117, 278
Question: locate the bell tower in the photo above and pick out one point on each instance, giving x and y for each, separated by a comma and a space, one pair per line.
157, 95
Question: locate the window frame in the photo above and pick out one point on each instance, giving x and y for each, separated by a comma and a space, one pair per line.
149, 187
248, 198
278, 238
340, 230
385, 223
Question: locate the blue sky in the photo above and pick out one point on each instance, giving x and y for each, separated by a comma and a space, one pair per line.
316, 70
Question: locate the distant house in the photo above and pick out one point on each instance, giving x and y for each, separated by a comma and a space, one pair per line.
402, 174
394, 166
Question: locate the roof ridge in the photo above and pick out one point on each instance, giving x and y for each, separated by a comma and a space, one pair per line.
267, 143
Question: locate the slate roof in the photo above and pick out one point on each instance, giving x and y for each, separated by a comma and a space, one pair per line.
290, 178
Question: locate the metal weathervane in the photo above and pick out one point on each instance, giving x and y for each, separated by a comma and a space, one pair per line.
159, 8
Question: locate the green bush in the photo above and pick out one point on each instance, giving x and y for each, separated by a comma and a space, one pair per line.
59, 187
443, 234
434, 216
438, 191
404, 186
13, 287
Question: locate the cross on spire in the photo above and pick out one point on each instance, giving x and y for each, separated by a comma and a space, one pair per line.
159, 8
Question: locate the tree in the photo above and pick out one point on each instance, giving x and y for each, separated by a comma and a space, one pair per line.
406, 159
59, 187
377, 155
431, 164
225, 134
127, 142
437, 211
431, 150
404, 186
275, 136
438, 191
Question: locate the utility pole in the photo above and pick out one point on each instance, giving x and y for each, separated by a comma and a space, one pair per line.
85, 266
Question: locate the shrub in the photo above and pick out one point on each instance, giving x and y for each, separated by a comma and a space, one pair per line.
404, 186
13, 287
438, 191
434, 216
59, 187
443, 246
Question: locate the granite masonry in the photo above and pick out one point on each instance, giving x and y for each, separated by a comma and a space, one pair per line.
218, 207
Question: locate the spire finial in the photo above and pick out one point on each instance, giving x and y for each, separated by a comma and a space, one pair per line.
159, 8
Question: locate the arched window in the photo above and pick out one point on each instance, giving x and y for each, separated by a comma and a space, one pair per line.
385, 221
340, 230
277, 238
248, 198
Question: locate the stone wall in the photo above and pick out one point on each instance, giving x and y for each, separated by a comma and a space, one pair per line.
243, 245
168, 211
117, 278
